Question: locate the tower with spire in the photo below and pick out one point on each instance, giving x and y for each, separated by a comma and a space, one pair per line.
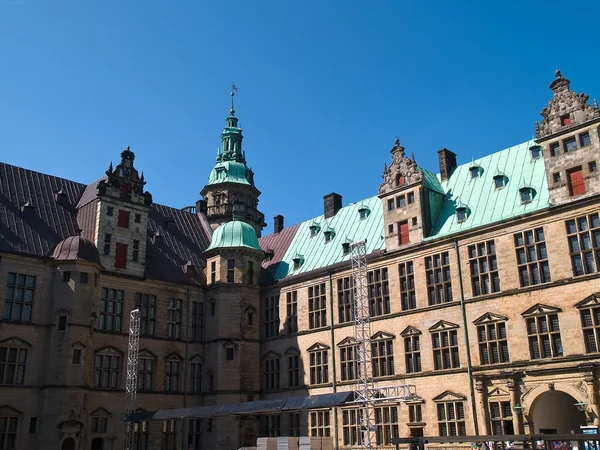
230, 189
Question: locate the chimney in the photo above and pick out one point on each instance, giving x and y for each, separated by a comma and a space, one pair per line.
447, 163
332, 204
201, 206
277, 223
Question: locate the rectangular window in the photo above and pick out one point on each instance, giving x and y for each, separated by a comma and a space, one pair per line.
141, 436
439, 280
32, 425
147, 306
556, 177
293, 370
386, 422
272, 316
403, 234
169, 434
351, 427
76, 359
382, 357
391, 204
501, 417
401, 201
493, 343
320, 424
445, 350
229, 354
555, 149
270, 425
123, 219
107, 370
136, 250
317, 306
197, 334
451, 419
231, 270
345, 300
410, 197
250, 274
584, 139
18, 297
348, 362
213, 272
137, 218
378, 289
592, 166
415, 413
590, 322
99, 425
12, 365
412, 351
145, 381
66, 276
319, 367
172, 376
408, 296
62, 323
83, 277
532, 257
484, 268
109, 210
543, 332
576, 181
195, 377
583, 234
292, 311
107, 241
294, 424
174, 318
121, 255
111, 310
272, 373
570, 144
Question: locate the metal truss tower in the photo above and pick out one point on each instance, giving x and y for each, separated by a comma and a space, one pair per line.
362, 334
132, 374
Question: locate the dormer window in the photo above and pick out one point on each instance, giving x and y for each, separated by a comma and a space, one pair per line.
109, 210
475, 172
60, 197
461, 214
363, 212
499, 181
298, 261
536, 151
329, 234
314, 229
346, 248
170, 224
526, 194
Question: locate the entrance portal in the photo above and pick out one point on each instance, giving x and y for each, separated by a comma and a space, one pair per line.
554, 412
97, 444
68, 444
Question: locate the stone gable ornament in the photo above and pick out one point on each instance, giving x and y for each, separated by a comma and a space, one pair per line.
402, 170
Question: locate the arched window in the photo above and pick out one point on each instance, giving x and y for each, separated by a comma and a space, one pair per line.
400, 180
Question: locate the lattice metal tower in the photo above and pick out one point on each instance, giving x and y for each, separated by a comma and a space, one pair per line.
362, 334
132, 374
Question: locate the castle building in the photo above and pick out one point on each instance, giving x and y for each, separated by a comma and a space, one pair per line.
483, 284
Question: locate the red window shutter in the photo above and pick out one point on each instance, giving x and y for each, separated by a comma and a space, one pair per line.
403, 236
123, 219
121, 256
577, 182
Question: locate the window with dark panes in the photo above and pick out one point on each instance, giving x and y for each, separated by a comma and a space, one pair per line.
294, 424
570, 144
172, 375
445, 350
18, 297
136, 250
12, 365
291, 303
231, 270
439, 280
352, 435
345, 300
195, 377
111, 310
174, 318
271, 324
107, 242
584, 139
590, 322
555, 149
415, 413
319, 366
197, 334
145, 373
271, 373
484, 268
501, 418
320, 424
270, 425
169, 434
386, 424
293, 370
412, 352
349, 362
451, 419
543, 332
141, 436
583, 235
493, 343
532, 257
99, 425
382, 357
194, 434
317, 306
408, 296
107, 370
147, 305
213, 272
378, 289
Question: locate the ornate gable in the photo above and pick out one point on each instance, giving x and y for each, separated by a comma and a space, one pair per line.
197, 358
402, 171
174, 356
15, 342
347, 341
8, 411
62, 312
78, 344
271, 355
489, 317
498, 392
589, 301
566, 109
382, 335
540, 309
110, 350
410, 331
443, 325
449, 396
317, 346
101, 412
292, 351
147, 354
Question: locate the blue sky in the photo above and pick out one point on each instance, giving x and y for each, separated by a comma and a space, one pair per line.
324, 87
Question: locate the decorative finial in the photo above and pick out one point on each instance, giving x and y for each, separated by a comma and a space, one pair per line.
128, 148
233, 91
397, 142
557, 72
595, 104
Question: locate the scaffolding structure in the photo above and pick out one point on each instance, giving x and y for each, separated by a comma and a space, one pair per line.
367, 395
132, 375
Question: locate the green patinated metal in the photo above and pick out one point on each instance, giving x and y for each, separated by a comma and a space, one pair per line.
485, 203
348, 226
234, 234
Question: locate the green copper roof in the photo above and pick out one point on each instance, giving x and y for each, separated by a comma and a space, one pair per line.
431, 181
230, 172
348, 227
484, 202
234, 234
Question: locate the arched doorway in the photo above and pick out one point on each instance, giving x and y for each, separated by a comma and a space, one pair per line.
68, 444
97, 444
555, 412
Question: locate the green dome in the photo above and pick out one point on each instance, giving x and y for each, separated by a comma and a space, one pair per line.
234, 234
231, 172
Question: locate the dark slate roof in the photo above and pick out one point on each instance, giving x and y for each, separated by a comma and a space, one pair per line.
51, 222
278, 243
76, 248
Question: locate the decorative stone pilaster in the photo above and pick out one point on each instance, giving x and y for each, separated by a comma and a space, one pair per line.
513, 388
481, 389
592, 389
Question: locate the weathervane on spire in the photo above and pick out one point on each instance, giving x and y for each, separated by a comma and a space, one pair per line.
233, 91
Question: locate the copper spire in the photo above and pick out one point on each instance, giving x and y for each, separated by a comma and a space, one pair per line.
233, 91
